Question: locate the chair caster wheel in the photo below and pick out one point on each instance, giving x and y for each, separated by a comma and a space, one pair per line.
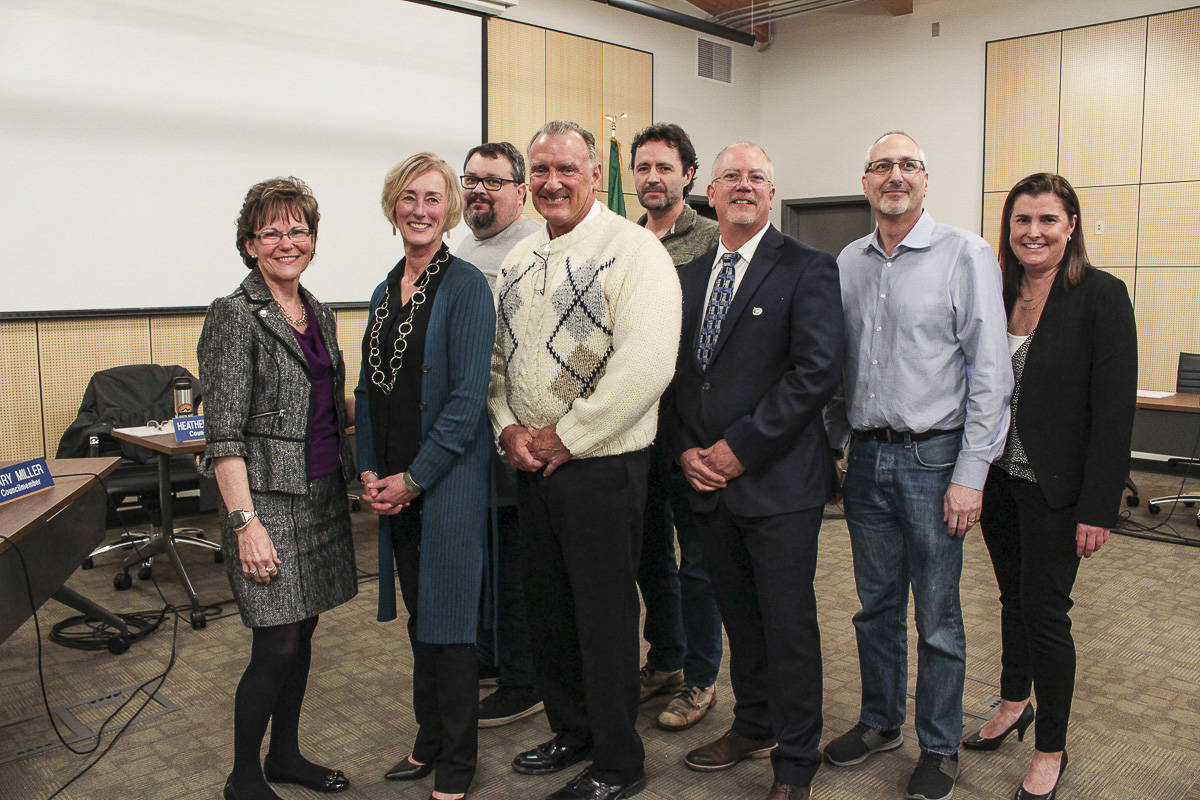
88, 563
144, 573
1153, 509
118, 645
1132, 501
122, 581
218, 557
198, 620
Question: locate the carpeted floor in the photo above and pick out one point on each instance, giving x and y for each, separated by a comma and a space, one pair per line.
1135, 724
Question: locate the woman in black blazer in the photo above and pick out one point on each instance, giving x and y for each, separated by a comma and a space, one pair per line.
1054, 494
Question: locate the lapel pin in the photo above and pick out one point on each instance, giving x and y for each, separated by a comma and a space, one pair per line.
756, 311
262, 312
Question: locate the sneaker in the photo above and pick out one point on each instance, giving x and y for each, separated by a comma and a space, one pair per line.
659, 681
508, 704
862, 740
489, 675
934, 777
687, 707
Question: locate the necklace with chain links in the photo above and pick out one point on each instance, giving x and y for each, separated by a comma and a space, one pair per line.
374, 357
295, 323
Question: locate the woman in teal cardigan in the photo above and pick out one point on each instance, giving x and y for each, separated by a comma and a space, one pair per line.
424, 449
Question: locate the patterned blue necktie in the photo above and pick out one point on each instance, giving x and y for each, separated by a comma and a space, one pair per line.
714, 314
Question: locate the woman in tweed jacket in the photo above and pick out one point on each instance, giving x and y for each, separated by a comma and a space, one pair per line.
275, 412
424, 448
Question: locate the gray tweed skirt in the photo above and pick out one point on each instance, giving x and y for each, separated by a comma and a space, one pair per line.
311, 534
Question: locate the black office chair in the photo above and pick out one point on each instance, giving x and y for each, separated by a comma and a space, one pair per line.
122, 397
1187, 381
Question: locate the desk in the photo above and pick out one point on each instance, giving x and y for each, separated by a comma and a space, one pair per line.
163, 540
55, 530
1166, 427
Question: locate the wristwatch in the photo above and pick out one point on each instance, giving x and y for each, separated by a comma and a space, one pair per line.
239, 518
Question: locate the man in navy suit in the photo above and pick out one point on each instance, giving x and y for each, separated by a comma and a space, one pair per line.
761, 353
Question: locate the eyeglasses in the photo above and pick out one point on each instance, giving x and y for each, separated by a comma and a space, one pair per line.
908, 166
272, 237
491, 183
733, 178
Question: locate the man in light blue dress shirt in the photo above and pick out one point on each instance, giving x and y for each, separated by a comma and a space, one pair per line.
927, 380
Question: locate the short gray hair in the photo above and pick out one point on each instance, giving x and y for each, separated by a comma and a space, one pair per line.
563, 127
755, 145
884, 135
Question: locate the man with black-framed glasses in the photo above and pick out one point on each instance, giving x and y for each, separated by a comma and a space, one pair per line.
494, 188
927, 379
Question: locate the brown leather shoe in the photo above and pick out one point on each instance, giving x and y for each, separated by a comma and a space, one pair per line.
784, 791
727, 751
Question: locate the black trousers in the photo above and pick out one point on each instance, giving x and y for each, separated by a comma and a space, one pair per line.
445, 677
1033, 553
581, 532
762, 570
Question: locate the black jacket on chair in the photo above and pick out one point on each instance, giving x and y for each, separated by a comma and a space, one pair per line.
1078, 393
777, 361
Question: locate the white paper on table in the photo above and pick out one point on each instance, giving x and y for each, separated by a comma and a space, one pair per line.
1150, 395
149, 430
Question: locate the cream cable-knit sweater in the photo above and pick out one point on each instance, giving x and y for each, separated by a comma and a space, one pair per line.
588, 341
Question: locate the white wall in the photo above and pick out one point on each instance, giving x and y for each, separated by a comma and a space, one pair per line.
714, 114
835, 79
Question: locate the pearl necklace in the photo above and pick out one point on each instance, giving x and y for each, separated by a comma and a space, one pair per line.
295, 323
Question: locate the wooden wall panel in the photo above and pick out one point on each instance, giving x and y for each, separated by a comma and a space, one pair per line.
1166, 320
993, 204
173, 340
1116, 207
628, 89
1103, 76
20, 396
1172, 124
1021, 132
70, 350
516, 81
633, 209
575, 82
351, 326
1169, 225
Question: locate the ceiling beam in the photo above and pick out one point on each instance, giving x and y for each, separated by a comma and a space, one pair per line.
896, 7
715, 7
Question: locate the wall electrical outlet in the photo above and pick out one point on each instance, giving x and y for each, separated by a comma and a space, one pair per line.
1099, 227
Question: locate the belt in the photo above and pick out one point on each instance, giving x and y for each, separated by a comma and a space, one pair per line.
901, 437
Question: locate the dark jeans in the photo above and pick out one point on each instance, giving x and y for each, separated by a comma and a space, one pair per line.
1033, 553
581, 533
683, 624
507, 642
445, 676
893, 496
762, 569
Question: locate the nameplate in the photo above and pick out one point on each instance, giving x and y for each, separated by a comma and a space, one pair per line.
26, 478
189, 429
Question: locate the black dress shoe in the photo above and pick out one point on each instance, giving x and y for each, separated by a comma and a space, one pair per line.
978, 742
331, 781
1024, 795
549, 757
586, 786
406, 770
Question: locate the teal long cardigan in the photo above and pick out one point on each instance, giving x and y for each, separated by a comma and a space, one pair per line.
453, 462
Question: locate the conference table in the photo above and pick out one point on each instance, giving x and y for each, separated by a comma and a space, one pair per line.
163, 539
54, 531
1166, 427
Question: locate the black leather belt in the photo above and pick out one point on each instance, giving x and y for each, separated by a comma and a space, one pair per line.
901, 437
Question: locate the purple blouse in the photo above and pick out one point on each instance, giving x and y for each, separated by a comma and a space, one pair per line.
323, 458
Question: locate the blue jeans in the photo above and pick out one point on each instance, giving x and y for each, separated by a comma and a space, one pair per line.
893, 500
683, 625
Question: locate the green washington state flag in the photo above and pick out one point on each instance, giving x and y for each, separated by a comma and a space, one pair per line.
616, 198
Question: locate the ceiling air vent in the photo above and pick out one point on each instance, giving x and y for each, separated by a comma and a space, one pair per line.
714, 61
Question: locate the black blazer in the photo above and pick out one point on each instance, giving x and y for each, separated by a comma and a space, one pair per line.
1078, 393
777, 361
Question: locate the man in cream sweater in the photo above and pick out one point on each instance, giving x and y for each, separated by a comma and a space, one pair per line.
588, 313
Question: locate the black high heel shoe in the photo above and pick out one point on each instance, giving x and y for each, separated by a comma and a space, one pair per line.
1024, 795
978, 742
